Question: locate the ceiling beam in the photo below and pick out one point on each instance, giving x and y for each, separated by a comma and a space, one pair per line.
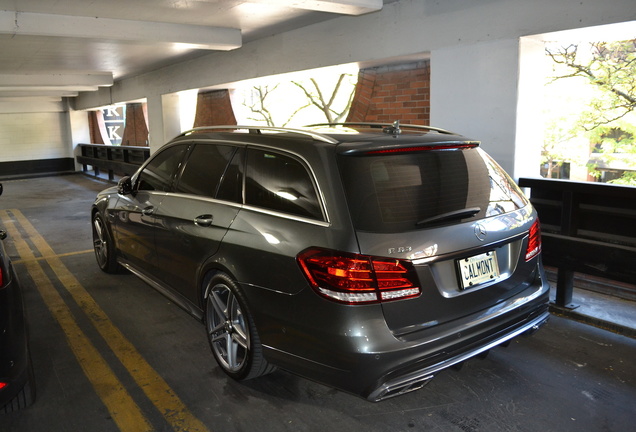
28, 106
48, 89
29, 98
99, 79
39, 94
345, 7
191, 36
53, 84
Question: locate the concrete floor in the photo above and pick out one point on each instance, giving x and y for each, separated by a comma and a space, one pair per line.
567, 377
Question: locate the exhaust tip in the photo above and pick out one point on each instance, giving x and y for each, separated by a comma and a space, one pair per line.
386, 391
532, 330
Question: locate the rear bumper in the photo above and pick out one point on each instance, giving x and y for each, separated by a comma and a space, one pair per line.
377, 365
405, 382
14, 357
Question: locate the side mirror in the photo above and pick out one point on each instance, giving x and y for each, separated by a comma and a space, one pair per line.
124, 187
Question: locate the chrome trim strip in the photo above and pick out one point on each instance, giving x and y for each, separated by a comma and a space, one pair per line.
176, 298
315, 135
483, 247
287, 216
205, 199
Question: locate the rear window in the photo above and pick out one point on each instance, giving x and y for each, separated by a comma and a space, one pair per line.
406, 191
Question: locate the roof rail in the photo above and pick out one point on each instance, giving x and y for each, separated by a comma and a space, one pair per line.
390, 126
259, 129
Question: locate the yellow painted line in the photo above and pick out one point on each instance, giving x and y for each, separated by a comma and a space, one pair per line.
122, 408
154, 386
20, 261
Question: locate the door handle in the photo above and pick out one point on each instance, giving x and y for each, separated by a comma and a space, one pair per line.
148, 211
204, 220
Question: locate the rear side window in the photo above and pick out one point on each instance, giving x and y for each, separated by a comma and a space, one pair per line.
160, 171
204, 169
406, 191
231, 187
280, 183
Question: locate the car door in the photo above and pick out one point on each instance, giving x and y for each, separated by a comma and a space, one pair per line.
194, 218
133, 219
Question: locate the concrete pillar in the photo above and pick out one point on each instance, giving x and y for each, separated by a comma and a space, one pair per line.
530, 103
474, 92
155, 123
171, 116
78, 131
163, 119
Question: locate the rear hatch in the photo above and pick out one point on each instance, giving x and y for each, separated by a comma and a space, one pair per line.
449, 209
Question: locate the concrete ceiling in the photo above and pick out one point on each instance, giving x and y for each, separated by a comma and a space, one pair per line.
54, 49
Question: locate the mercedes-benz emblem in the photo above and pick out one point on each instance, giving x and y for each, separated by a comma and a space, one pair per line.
480, 231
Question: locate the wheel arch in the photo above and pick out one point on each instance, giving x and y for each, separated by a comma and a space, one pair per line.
209, 270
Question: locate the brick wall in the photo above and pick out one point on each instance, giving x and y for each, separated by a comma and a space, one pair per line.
388, 93
136, 129
214, 108
94, 128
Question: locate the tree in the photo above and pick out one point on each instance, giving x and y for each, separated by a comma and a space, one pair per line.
328, 107
258, 105
607, 121
615, 145
327, 97
559, 145
609, 67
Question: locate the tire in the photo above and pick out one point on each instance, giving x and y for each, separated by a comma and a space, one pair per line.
231, 331
104, 246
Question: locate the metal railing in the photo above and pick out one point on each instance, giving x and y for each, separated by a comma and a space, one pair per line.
587, 228
123, 160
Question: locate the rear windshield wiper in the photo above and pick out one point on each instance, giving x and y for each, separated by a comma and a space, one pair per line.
444, 217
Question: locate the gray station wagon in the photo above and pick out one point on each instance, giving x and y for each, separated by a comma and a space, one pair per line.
366, 257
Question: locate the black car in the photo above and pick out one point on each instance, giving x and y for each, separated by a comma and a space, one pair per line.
17, 388
366, 257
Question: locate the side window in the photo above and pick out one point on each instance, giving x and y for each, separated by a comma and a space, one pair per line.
231, 187
280, 183
158, 174
204, 169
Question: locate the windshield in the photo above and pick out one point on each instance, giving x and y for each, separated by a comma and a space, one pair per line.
405, 191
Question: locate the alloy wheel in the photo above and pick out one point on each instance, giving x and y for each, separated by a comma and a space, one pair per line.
227, 329
100, 243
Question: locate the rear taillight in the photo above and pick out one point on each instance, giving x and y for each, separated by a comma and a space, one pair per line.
357, 279
534, 241
1, 281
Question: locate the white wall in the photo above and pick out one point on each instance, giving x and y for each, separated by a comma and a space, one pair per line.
32, 136
474, 93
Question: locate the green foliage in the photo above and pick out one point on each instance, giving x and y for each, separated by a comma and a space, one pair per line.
616, 146
608, 67
607, 119
627, 179
619, 137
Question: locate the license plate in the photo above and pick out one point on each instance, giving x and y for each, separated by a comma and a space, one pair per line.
478, 269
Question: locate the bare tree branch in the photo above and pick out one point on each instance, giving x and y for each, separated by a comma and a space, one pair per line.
317, 99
